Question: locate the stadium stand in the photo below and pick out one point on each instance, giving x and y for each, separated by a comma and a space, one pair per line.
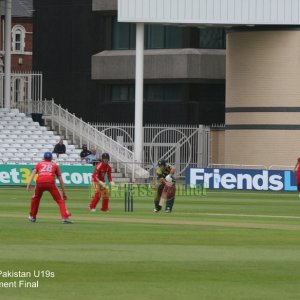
23, 141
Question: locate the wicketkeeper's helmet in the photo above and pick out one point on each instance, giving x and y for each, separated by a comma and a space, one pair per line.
105, 155
48, 155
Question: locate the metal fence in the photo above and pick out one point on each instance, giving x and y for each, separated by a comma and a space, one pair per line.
24, 87
76, 128
181, 145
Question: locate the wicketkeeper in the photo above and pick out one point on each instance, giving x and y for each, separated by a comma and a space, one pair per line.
98, 180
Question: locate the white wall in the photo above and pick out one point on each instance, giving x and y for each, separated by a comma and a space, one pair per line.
210, 11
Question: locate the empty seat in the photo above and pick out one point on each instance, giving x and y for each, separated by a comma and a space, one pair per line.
31, 141
49, 146
34, 150
48, 132
27, 159
42, 141
27, 146
71, 160
15, 158
52, 141
31, 127
9, 141
3, 160
19, 119
6, 118
11, 150
77, 151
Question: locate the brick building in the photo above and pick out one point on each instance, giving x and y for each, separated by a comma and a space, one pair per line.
22, 35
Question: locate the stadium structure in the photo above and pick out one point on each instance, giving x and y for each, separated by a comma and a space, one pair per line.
262, 70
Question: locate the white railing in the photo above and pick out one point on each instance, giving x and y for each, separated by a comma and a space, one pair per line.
281, 167
25, 87
181, 145
237, 166
85, 133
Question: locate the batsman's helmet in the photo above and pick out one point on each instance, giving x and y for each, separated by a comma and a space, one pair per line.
48, 155
105, 155
162, 162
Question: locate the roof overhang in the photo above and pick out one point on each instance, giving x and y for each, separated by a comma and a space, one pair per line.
210, 12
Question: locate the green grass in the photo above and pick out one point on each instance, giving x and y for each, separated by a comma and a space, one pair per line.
206, 249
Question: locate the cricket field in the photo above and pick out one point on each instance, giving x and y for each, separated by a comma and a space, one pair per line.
217, 246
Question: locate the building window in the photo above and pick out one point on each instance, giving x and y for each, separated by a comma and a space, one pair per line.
164, 93
163, 37
212, 38
152, 93
156, 36
18, 38
122, 93
123, 35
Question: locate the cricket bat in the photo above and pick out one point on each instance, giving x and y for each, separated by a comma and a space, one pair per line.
163, 198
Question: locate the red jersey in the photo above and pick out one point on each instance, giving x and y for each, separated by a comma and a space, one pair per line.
47, 171
100, 170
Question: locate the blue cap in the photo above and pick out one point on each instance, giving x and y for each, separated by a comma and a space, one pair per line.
48, 155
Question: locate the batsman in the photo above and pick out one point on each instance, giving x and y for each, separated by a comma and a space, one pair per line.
165, 187
102, 169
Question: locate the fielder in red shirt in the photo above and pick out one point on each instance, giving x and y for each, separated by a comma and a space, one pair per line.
47, 172
98, 180
297, 171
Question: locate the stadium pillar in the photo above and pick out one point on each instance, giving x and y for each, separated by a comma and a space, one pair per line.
139, 93
7, 55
